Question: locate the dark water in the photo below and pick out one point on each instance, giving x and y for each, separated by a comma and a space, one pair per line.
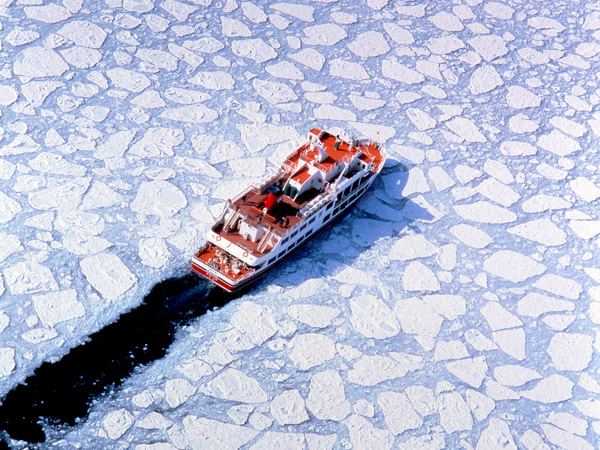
62, 392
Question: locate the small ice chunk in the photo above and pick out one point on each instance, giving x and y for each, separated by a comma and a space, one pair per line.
557, 285
273, 91
302, 12
372, 370
446, 21
484, 212
471, 236
326, 396
254, 321
466, 129
255, 49
56, 307
153, 252
520, 98
445, 350
514, 376
496, 436
485, 79
10, 244
470, 370
39, 62
585, 189
116, 423
558, 143
511, 342
311, 350
479, 341
214, 80
108, 275
568, 422
29, 277
368, 44
83, 33
350, 275
440, 178
571, 351
398, 34
315, 316
498, 10
205, 433
455, 414
422, 399
497, 192
412, 247
128, 79
7, 361
372, 318
326, 34
553, 389
565, 439
489, 47
159, 198
512, 266
534, 305
542, 202
542, 230
444, 45
364, 435
417, 317
398, 412
520, 123
154, 421
177, 391
418, 277
392, 69
585, 229
346, 69
449, 306
231, 384
481, 405
190, 114
309, 57
288, 408
274, 440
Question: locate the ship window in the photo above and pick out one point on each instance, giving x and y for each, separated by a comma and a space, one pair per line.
326, 218
285, 240
339, 196
311, 220
329, 205
355, 184
271, 260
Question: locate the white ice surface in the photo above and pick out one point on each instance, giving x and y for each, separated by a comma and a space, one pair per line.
456, 307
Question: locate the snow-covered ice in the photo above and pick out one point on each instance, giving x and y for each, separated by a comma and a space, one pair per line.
456, 307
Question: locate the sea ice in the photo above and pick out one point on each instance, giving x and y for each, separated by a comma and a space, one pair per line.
108, 275
571, 351
288, 408
398, 412
372, 318
177, 391
311, 350
372, 370
455, 414
201, 433
232, 384
553, 389
512, 266
496, 436
365, 436
327, 397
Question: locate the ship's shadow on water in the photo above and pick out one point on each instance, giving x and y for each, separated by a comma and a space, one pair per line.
62, 392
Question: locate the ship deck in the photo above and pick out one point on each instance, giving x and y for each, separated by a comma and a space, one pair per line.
250, 207
222, 262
